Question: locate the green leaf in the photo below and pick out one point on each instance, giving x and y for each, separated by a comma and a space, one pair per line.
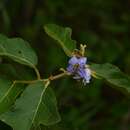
18, 50
112, 74
2, 37
12, 72
37, 105
48, 113
63, 36
7, 71
8, 94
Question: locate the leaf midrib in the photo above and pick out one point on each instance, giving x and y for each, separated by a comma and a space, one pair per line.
22, 59
38, 105
7, 93
57, 39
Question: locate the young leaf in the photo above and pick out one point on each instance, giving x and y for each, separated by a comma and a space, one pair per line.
35, 106
62, 36
18, 50
8, 94
112, 74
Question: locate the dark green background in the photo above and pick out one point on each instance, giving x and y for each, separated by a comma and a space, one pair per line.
104, 25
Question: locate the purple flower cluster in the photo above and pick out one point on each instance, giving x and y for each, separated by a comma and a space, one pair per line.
77, 67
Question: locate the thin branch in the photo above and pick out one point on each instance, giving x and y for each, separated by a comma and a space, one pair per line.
47, 81
58, 76
26, 81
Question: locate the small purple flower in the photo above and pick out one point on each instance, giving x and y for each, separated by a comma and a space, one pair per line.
75, 60
77, 67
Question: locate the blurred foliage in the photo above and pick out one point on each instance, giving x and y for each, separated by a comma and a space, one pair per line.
104, 27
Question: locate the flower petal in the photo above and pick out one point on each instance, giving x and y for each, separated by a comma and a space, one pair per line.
82, 60
70, 69
73, 60
81, 72
87, 76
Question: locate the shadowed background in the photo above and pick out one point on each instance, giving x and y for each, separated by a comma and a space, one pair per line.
104, 26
